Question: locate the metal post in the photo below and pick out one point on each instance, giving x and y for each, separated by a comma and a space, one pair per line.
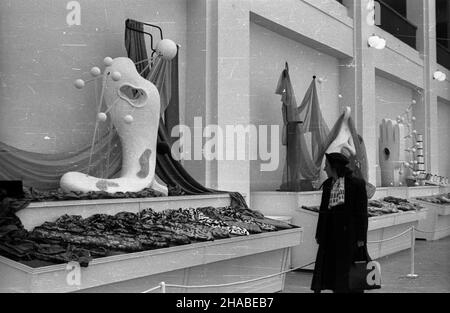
413, 245
163, 287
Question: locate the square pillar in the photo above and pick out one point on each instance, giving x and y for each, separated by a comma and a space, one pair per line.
358, 84
423, 14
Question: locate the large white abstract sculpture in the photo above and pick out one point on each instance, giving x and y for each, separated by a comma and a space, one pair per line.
392, 153
133, 104
344, 140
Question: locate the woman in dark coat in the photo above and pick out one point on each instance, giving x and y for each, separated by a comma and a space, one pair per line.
342, 227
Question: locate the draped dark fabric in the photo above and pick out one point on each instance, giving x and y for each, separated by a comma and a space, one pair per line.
302, 166
132, 36
170, 171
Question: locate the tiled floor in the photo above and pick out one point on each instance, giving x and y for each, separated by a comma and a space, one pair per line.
432, 264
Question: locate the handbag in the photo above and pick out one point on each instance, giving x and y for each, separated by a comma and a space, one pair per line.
365, 275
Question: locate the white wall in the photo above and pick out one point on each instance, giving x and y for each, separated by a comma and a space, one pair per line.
444, 139
40, 57
392, 99
268, 54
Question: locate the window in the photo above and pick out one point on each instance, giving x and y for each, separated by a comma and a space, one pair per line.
442, 33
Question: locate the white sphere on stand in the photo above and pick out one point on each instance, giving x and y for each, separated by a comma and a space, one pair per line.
95, 71
108, 61
102, 117
167, 49
79, 83
128, 119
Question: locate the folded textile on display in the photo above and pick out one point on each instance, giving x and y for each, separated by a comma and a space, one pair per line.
73, 238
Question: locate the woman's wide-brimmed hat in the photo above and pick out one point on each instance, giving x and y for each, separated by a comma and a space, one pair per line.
337, 158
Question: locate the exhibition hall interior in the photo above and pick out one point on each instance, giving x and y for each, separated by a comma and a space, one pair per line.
181, 146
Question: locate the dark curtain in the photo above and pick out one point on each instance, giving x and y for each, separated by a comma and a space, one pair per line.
170, 171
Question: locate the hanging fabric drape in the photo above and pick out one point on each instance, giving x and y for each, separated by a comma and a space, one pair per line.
302, 166
170, 171
132, 36
358, 162
43, 171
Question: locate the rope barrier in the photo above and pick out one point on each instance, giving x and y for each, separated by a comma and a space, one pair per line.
163, 285
432, 232
240, 282
152, 289
388, 239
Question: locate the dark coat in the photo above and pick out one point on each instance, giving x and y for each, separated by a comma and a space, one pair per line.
338, 231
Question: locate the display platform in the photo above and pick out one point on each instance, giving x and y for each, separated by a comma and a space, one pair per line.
217, 262
406, 192
436, 223
39, 212
380, 227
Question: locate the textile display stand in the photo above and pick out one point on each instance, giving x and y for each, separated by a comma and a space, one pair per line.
202, 263
380, 227
436, 225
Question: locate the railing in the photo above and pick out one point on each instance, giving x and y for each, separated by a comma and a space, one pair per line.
397, 25
443, 55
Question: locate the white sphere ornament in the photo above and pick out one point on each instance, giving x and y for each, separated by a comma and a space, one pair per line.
102, 117
167, 49
108, 61
79, 83
413, 118
116, 76
128, 119
95, 71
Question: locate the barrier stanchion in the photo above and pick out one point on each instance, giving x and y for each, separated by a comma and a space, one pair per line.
163, 287
413, 245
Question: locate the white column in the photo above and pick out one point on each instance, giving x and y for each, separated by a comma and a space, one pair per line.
423, 14
233, 87
364, 95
